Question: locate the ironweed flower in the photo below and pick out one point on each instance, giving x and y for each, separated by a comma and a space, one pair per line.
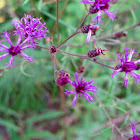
81, 88
15, 50
127, 66
98, 6
91, 29
135, 137
31, 27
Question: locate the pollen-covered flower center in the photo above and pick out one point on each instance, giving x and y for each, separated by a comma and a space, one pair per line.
128, 66
14, 50
79, 88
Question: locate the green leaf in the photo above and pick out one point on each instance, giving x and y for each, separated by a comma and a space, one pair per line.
8, 111
124, 123
121, 109
8, 124
45, 116
33, 134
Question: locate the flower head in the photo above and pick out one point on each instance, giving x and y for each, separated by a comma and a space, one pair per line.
62, 80
96, 52
31, 27
135, 137
98, 6
14, 50
127, 66
81, 88
91, 29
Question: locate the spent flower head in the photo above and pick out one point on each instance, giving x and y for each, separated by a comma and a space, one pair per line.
31, 27
127, 66
98, 6
96, 52
91, 29
135, 137
14, 50
81, 88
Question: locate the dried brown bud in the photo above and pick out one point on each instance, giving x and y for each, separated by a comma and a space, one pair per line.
137, 67
117, 67
120, 34
63, 73
97, 51
94, 59
85, 29
93, 10
53, 49
81, 69
67, 75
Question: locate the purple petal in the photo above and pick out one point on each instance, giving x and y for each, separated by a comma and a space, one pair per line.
24, 42
133, 128
25, 47
135, 75
125, 80
138, 61
10, 63
86, 1
3, 46
69, 92
26, 57
74, 100
115, 72
6, 35
89, 36
19, 40
3, 50
111, 16
3, 56
132, 51
98, 18
88, 97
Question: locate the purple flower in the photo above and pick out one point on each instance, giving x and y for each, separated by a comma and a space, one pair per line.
81, 88
127, 66
31, 27
14, 50
135, 137
98, 6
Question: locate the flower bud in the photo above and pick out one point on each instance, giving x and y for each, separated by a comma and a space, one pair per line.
120, 34
93, 10
85, 29
81, 69
62, 80
53, 49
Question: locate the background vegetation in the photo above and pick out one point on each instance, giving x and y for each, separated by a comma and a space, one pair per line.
31, 106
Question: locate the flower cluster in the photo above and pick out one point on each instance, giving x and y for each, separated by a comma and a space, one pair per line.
135, 137
31, 29
98, 6
127, 66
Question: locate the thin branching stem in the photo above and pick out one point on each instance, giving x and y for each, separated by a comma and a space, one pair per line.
57, 14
